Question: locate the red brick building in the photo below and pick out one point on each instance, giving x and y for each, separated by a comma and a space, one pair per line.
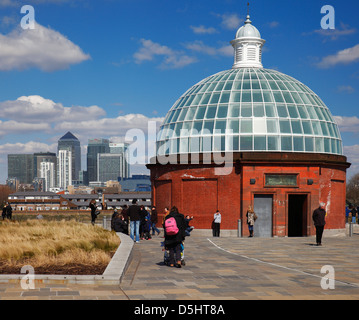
251, 136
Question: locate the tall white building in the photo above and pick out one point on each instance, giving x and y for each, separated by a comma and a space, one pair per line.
47, 171
64, 169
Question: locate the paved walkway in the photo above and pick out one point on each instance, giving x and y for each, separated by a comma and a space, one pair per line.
223, 268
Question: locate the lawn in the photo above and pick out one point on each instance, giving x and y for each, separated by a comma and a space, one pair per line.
55, 247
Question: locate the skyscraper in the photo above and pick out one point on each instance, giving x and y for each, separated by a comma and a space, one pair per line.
21, 166
95, 146
70, 142
64, 168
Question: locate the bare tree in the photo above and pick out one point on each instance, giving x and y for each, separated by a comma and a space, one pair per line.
353, 190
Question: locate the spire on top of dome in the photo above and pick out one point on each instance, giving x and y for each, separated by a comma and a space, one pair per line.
248, 46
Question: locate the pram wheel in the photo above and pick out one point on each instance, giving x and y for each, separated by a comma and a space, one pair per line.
183, 262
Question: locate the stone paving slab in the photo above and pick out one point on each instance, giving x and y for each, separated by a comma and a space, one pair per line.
221, 269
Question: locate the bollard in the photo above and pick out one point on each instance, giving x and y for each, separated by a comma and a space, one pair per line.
239, 231
104, 222
350, 229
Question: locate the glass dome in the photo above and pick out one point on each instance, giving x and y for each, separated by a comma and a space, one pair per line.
249, 109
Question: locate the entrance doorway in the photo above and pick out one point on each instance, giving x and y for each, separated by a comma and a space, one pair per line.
263, 207
297, 215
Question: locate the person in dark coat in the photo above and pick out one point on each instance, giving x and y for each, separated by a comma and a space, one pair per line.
154, 220
319, 222
135, 219
93, 209
120, 224
8, 211
173, 242
4, 212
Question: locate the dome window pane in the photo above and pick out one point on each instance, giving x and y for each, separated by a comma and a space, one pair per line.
174, 145
272, 126
324, 129
309, 144
237, 85
284, 126
319, 144
260, 143
234, 111
197, 127
255, 84
222, 112
225, 97
219, 143
282, 111
177, 131
317, 128
259, 125
264, 85
257, 96
235, 97
194, 144
246, 126
208, 127
293, 113
296, 98
246, 110
305, 98
246, 143
296, 127
278, 96
288, 98
302, 111
281, 86
186, 129
234, 126
267, 96
211, 112
334, 146
286, 143
206, 98
312, 114
319, 113
307, 127
258, 110
183, 114
189, 101
220, 126
327, 145
228, 85
331, 130
184, 145
232, 143
273, 85
190, 114
206, 144
215, 98
200, 113
246, 96
175, 117
246, 85
220, 86
197, 99
298, 144
270, 110
273, 143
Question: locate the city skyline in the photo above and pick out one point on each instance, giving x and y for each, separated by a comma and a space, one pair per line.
130, 66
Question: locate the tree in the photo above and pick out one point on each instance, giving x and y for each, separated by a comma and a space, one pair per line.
353, 190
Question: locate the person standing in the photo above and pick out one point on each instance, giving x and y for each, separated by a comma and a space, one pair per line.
154, 220
319, 222
353, 213
217, 219
251, 218
173, 242
93, 209
9, 211
134, 212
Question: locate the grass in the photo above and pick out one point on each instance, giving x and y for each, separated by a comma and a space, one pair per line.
42, 243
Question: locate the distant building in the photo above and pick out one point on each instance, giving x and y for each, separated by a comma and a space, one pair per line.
64, 169
95, 146
70, 142
137, 183
48, 172
21, 167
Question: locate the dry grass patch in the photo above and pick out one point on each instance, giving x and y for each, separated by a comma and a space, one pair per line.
55, 247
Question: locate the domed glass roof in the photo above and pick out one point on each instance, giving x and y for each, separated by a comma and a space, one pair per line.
249, 109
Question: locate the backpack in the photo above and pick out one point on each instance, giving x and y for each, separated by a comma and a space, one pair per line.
171, 226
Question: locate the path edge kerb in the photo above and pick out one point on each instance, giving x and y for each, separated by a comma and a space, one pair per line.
112, 275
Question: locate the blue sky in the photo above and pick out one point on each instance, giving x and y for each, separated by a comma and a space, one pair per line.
100, 68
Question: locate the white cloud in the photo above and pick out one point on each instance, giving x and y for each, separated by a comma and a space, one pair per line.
28, 147
335, 34
346, 89
199, 46
347, 56
36, 108
41, 48
231, 21
203, 30
352, 154
172, 59
347, 124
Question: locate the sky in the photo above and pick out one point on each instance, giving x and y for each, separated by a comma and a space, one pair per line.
101, 68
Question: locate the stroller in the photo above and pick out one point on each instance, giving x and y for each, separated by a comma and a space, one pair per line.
166, 255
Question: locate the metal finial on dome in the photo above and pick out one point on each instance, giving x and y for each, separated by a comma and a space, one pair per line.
248, 16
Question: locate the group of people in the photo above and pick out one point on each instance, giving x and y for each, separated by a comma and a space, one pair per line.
7, 211
351, 214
